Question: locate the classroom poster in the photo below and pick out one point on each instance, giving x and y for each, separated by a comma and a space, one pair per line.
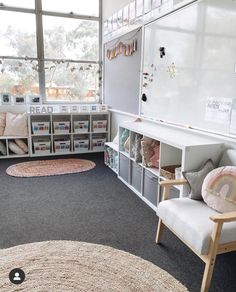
218, 110
120, 18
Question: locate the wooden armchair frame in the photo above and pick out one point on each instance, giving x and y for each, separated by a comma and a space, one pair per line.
215, 247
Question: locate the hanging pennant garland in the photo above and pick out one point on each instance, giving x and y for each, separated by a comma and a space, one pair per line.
122, 49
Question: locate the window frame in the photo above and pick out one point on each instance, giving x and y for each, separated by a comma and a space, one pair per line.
39, 13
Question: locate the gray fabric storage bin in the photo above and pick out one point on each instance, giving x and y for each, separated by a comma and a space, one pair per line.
124, 167
136, 176
150, 187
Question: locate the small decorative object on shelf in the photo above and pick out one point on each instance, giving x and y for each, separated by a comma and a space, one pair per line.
35, 99
169, 171
84, 108
5, 98
64, 109
94, 108
74, 109
18, 100
103, 108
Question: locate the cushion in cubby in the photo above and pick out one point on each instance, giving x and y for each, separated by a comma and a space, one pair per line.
150, 152
16, 125
219, 189
3, 149
156, 157
123, 139
147, 151
15, 148
22, 145
127, 145
195, 179
136, 149
2, 123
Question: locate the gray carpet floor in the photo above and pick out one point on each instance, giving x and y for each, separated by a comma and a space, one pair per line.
96, 207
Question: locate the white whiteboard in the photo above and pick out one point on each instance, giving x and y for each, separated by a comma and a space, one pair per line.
200, 40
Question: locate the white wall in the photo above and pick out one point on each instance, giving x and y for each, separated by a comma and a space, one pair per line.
112, 6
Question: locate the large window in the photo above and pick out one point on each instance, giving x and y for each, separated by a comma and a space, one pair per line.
54, 53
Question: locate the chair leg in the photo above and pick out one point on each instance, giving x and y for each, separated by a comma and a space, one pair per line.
208, 272
211, 258
160, 228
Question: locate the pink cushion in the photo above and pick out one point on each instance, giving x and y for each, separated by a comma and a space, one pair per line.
155, 158
219, 189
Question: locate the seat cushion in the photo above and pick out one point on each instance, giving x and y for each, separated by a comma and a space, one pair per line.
189, 219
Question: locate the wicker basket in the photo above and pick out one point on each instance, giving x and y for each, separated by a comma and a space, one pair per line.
169, 171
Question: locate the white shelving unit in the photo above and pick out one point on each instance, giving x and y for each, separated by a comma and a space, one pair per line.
68, 133
177, 147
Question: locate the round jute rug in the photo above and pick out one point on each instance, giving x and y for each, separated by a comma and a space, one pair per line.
76, 266
49, 167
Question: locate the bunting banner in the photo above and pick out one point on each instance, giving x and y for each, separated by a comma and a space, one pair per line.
122, 49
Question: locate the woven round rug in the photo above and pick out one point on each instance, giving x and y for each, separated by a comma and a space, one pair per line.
77, 266
49, 167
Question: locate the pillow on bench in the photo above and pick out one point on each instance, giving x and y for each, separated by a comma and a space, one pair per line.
219, 189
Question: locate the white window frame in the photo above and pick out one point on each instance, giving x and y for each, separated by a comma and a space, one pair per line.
39, 13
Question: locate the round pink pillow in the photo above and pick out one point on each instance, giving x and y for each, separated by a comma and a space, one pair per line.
219, 189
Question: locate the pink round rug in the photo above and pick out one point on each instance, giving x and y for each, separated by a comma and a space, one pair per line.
49, 167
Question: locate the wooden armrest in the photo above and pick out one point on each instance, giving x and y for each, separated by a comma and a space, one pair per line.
225, 217
169, 183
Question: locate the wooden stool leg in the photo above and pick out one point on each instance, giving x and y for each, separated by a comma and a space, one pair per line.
160, 229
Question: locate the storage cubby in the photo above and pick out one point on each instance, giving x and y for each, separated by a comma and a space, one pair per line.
124, 167
41, 145
136, 176
150, 187
99, 123
81, 124
124, 141
111, 156
3, 148
171, 161
81, 143
177, 151
62, 144
61, 124
98, 142
40, 125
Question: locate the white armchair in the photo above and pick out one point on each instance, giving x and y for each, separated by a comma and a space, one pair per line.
205, 231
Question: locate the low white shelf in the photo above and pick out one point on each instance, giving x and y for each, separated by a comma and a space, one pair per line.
68, 133
177, 147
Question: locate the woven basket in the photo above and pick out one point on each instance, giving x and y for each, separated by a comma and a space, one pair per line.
169, 171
